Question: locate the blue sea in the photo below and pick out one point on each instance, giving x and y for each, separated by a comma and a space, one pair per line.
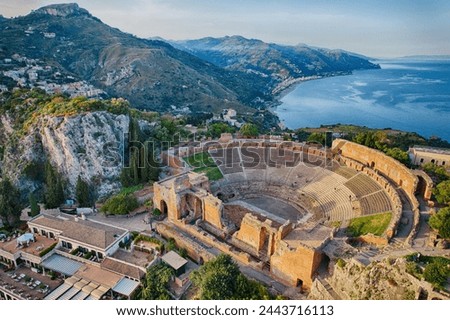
406, 95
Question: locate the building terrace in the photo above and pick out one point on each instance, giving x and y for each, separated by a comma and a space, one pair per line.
35, 247
23, 283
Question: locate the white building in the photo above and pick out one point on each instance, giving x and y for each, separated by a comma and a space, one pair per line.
421, 155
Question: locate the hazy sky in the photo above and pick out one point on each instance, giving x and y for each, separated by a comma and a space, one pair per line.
379, 28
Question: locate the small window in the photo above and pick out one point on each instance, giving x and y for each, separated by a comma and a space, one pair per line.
443, 163
421, 160
433, 161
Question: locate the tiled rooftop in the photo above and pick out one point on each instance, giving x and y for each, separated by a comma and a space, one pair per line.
85, 231
122, 268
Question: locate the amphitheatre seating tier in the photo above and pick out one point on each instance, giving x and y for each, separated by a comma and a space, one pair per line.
375, 203
362, 185
232, 168
345, 171
340, 193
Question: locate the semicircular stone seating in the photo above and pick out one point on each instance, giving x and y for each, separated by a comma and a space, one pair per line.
335, 193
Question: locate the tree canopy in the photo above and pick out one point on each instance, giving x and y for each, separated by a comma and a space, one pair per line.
120, 204
155, 284
34, 207
10, 207
221, 279
249, 130
217, 128
141, 167
82, 193
440, 221
438, 173
53, 191
436, 273
442, 192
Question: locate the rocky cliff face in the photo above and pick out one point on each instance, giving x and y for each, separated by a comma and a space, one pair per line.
384, 280
89, 145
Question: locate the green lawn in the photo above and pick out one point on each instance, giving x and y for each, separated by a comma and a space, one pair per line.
132, 189
202, 162
375, 224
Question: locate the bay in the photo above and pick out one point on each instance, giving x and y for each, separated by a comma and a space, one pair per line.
406, 95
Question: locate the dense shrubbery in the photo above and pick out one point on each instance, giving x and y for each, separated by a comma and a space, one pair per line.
435, 269
120, 204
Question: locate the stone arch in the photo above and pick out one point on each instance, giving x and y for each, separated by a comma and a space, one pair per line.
191, 206
163, 207
263, 239
424, 186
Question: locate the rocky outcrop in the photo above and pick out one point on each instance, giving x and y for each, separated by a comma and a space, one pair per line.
384, 280
89, 145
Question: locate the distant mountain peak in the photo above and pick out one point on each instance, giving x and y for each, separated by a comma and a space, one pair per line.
62, 10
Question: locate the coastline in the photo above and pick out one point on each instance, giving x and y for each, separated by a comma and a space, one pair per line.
287, 86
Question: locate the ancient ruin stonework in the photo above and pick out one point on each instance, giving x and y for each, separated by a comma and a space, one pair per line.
274, 207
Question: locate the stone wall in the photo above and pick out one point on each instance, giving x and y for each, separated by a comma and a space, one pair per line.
380, 162
213, 208
256, 234
372, 239
194, 250
295, 265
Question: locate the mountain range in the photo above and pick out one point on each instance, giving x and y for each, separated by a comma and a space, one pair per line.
277, 65
203, 75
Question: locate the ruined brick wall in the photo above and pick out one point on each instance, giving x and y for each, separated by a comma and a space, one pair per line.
295, 264
195, 251
212, 211
377, 160
258, 235
250, 234
372, 239
164, 196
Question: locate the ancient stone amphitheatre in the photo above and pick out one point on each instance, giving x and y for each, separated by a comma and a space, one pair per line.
281, 207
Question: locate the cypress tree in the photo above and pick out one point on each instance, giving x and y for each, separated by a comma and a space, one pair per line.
9, 203
54, 193
35, 210
82, 194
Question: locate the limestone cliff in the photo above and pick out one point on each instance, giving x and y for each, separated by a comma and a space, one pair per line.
88, 144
